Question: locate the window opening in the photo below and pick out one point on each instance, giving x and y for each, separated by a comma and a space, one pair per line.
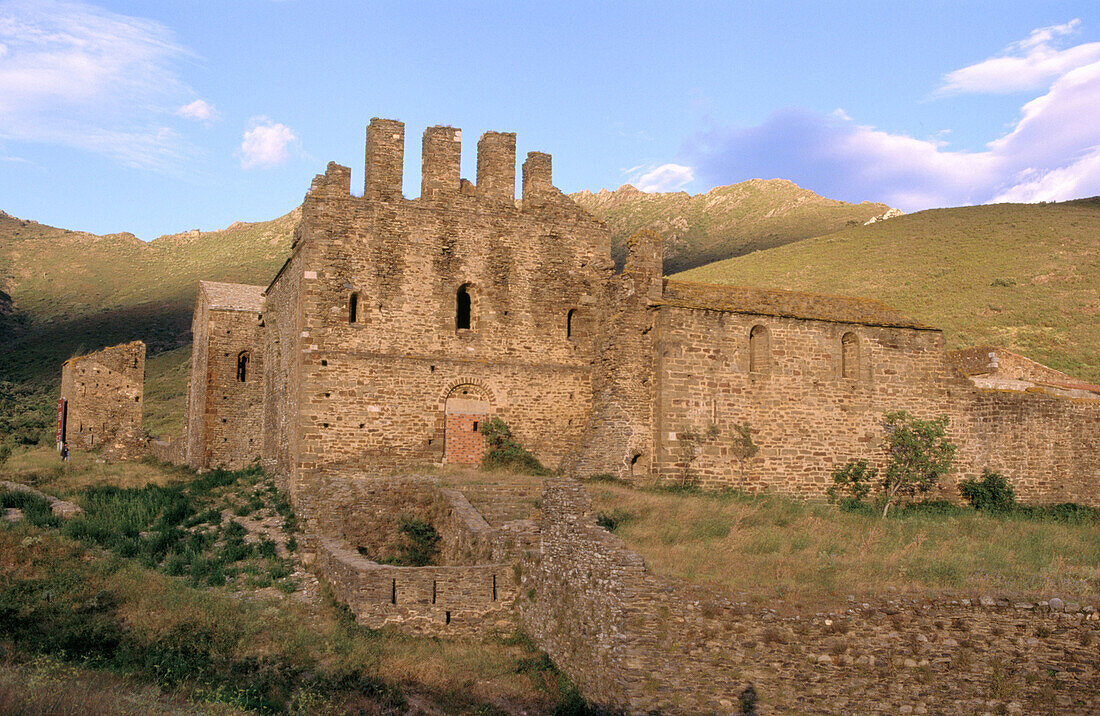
353, 307
462, 308
242, 366
849, 356
759, 350
569, 322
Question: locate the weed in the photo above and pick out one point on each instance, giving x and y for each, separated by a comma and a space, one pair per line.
613, 519
503, 452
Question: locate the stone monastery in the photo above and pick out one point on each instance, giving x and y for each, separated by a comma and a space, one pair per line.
398, 325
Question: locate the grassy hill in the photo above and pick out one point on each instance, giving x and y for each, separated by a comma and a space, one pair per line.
67, 293
1023, 276
727, 221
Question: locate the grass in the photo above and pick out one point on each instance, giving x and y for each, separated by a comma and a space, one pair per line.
1023, 276
807, 553
158, 586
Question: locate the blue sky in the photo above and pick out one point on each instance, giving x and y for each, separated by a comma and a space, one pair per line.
161, 117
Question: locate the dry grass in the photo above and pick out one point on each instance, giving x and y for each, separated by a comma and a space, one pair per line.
768, 547
46, 686
43, 468
154, 610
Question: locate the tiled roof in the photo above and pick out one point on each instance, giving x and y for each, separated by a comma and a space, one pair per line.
787, 304
232, 296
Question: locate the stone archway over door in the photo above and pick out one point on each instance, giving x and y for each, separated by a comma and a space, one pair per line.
467, 406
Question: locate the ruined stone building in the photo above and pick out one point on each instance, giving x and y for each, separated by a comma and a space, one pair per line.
397, 325
100, 405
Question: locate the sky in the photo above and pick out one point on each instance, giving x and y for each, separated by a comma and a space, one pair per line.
161, 117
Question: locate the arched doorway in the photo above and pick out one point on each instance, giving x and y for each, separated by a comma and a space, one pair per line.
467, 406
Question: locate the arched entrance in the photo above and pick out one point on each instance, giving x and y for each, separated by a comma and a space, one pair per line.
467, 406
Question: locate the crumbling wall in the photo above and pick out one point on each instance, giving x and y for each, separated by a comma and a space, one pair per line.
103, 394
632, 640
377, 280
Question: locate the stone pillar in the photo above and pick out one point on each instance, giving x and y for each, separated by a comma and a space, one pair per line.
441, 157
496, 166
385, 157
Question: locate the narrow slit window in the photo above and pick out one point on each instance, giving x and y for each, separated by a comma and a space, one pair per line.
462, 308
242, 366
569, 322
849, 356
353, 308
759, 350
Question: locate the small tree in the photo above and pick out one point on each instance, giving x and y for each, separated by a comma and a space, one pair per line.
991, 493
920, 455
852, 482
744, 449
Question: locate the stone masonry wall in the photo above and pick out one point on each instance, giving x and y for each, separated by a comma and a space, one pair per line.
635, 641
103, 391
372, 391
229, 433
805, 416
618, 437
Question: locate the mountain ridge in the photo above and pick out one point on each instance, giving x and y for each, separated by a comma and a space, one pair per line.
724, 222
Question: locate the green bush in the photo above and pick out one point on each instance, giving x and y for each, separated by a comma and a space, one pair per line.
991, 493
36, 508
421, 543
503, 452
614, 519
852, 482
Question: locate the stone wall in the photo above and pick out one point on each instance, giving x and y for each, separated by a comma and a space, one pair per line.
103, 394
354, 521
806, 416
225, 404
632, 640
374, 284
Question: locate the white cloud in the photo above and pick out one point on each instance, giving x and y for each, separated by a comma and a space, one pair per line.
266, 144
76, 75
201, 110
1052, 151
1025, 65
667, 177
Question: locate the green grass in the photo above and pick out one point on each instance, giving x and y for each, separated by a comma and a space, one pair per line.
1023, 276
156, 587
726, 221
73, 293
811, 553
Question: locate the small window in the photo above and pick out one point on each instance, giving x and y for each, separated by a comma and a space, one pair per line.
462, 308
849, 356
759, 350
242, 366
569, 322
353, 308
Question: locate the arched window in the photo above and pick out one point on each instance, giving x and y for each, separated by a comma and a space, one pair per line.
462, 308
849, 356
242, 366
353, 308
759, 350
569, 322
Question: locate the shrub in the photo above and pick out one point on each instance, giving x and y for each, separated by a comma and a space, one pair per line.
991, 493
421, 543
852, 482
919, 456
614, 519
36, 508
503, 452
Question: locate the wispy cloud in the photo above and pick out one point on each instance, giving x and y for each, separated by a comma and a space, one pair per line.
1052, 151
200, 110
666, 177
77, 75
266, 144
1025, 65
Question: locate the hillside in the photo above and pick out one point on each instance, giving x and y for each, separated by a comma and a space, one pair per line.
1024, 276
67, 292
725, 222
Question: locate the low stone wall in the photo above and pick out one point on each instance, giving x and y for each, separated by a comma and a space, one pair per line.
170, 451
442, 601
632, 640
